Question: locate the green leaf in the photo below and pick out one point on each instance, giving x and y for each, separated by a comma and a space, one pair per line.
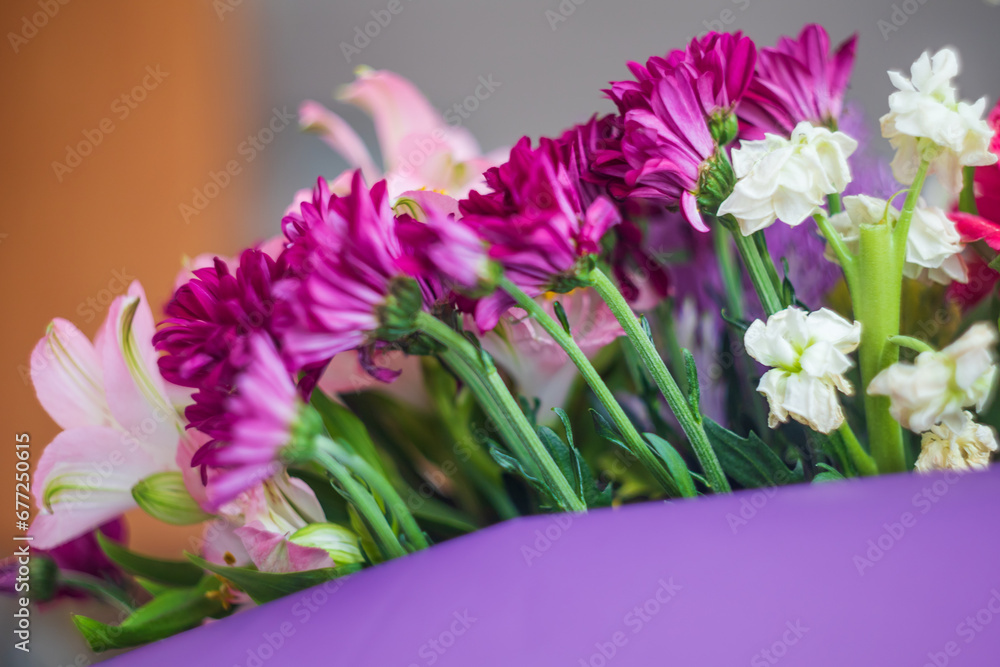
829, 474
575, 469
748, 461
330, 500
606, 430
564, 418
645, 327
675, 464
266, 586
694, 391
342, 424
169, 572
513, 466
563, 320
169, 613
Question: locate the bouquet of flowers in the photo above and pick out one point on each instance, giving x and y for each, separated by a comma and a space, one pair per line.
718, 286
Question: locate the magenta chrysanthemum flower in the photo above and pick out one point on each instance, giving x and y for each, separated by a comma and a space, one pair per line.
721, 64
537, 222
263, 415
209, 321
666, 143
797, 80
344, 252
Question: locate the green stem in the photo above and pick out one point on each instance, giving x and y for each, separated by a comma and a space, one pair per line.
689, 420
847, 261
759, 274
730, 272
639, 447
861, 459
877, 298
362, 500
382, 487
489, 388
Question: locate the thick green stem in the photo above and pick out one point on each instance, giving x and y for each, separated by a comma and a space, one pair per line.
639, 447
361, 499
877, 300
876, 306
382, 487
489, 388
689, 420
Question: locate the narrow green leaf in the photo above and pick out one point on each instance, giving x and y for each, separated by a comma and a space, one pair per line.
169, 613
694, 390
564, 418
645, 327
675, 464
748, 461
266, 586
606, 430
342, 424
563, 320
170, 572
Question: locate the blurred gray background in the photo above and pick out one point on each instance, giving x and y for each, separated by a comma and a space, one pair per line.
552, 58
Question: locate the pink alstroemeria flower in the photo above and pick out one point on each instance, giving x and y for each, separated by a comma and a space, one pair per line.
120, 425
420, 149
538, 365
797, 80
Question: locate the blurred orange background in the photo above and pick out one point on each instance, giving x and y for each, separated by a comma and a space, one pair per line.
70, 233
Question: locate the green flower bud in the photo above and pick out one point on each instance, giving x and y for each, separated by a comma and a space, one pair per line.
343, 544
163, 496
716, 183
724, 128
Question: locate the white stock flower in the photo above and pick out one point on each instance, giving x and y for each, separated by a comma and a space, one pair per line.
969, 448
926, 107
940, 385
787, 179
807, 353
933, 245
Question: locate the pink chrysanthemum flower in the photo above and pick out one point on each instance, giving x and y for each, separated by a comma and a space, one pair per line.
537, 221
265, 415
667, 143
361, 273
797, 80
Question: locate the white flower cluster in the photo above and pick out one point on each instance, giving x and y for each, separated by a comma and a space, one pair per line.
933, 246
807, 353
930, 396
926, 120
787, 179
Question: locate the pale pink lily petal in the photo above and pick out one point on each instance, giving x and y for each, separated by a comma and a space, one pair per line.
339, 136
86, 476
272, 552
219, 540
400, 111
67, 376
136, 392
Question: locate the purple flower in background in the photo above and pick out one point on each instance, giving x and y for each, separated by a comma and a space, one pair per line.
537, 222
872, 173
797, 80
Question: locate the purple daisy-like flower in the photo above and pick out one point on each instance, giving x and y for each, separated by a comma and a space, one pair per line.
343, 252
666, 142
209, 321
537, 221
263, 414
797, 80
721, 64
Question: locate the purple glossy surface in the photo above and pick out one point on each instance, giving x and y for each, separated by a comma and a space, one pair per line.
561, 590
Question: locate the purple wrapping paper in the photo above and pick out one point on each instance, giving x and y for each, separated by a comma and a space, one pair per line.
897, 571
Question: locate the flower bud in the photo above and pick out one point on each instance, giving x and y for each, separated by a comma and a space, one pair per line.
163, 496
343, 544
